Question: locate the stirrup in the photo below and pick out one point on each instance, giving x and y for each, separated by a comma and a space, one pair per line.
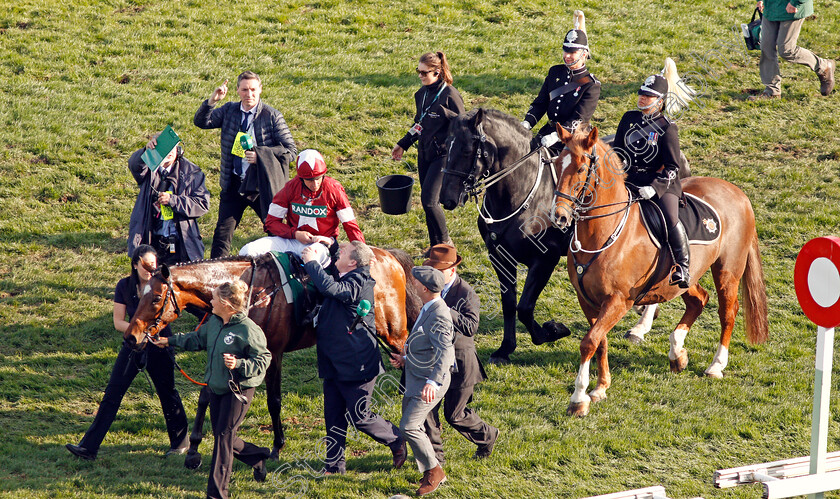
679, 277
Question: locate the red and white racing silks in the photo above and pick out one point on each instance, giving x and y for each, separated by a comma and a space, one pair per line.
297, 208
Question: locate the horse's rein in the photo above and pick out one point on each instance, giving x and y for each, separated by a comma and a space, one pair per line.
578, 202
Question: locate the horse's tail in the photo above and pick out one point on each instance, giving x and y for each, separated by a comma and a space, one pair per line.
754, 296
413, 304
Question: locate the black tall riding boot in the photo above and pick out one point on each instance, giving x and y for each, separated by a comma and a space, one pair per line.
678, 240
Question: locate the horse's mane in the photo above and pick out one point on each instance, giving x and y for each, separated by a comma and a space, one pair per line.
612, 160
495, 114
230, 258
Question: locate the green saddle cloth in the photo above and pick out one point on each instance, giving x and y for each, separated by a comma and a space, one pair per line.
293, 288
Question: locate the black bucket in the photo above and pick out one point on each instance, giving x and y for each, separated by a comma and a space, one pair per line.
395, 193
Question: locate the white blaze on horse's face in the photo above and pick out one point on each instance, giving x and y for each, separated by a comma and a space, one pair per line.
147, 288
567, 160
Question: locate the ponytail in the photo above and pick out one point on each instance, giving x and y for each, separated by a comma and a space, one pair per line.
437, 61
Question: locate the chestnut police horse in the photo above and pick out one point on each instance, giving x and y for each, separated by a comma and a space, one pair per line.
171, 289
613, 248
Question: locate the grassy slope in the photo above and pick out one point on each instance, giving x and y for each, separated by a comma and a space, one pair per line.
84, 82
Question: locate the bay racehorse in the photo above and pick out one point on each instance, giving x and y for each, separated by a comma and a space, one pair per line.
617, 261
490, 152
172, 289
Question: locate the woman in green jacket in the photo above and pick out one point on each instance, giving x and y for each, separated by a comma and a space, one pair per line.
237, 359
780, 25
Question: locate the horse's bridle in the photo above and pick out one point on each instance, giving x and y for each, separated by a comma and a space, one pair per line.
473, 185
579, 201
170, 295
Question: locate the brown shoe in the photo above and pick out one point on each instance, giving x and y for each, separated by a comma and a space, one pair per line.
431, 480
400, 453
764, 95
827, 78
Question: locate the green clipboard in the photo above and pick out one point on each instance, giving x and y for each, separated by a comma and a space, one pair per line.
166, 141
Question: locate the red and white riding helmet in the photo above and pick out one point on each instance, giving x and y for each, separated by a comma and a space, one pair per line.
310, 164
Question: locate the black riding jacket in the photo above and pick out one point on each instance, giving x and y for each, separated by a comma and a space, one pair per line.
573, 107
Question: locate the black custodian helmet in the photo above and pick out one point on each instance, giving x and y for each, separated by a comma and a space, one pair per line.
575, 40
654, 86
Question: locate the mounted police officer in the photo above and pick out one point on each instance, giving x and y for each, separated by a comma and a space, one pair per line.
649, 144
569, 93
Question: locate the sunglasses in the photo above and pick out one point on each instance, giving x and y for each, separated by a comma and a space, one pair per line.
424, 73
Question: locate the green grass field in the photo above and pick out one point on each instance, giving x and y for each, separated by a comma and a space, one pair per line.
84, 83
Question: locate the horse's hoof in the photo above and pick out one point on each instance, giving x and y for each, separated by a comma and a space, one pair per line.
578, 409
714, 373
597, 395
634, 338
275, 453
193, 460
499, 361
679, 364
556, 330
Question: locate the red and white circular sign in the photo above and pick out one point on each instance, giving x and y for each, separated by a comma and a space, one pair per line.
816, 278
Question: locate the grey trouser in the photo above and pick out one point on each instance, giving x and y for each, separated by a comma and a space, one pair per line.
778, 38
414, 412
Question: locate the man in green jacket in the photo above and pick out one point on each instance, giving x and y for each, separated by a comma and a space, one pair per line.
780, 26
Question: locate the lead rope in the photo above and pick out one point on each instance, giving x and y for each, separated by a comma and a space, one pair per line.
175, 362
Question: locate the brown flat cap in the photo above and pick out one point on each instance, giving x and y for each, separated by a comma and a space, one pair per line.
442, 257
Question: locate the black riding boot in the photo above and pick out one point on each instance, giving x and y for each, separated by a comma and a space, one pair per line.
678, 240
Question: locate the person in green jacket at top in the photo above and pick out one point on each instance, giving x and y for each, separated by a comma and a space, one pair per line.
237, 359
780, 25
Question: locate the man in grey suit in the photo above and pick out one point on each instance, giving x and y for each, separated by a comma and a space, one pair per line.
428, 358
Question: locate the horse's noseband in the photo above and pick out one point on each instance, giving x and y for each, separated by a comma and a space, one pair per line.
170, 295
473, 185
579, 200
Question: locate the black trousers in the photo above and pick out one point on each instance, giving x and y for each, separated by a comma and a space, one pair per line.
670, 204
431, 181
352, 399
226, 414
160, 367
232, 206
460, 417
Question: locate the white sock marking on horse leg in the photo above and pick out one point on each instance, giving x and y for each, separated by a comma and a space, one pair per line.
645, 322
719, 362
677, 341
581, 384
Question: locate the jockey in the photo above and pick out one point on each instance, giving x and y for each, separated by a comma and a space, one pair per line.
569, 93
306, 212
649, 144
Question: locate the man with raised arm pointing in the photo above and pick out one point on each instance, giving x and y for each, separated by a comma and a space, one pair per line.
248, 177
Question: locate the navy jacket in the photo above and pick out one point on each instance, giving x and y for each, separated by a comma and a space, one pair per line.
435, 123
190, 200
270, 130
345, 355
571, 109
649, 145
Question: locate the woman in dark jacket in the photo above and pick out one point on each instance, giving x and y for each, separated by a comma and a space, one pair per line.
237, 359
437, 101
159, 364
569, 93
649, 144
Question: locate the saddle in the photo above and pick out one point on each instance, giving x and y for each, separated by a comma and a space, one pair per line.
701, 222
700, 219
297, 286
